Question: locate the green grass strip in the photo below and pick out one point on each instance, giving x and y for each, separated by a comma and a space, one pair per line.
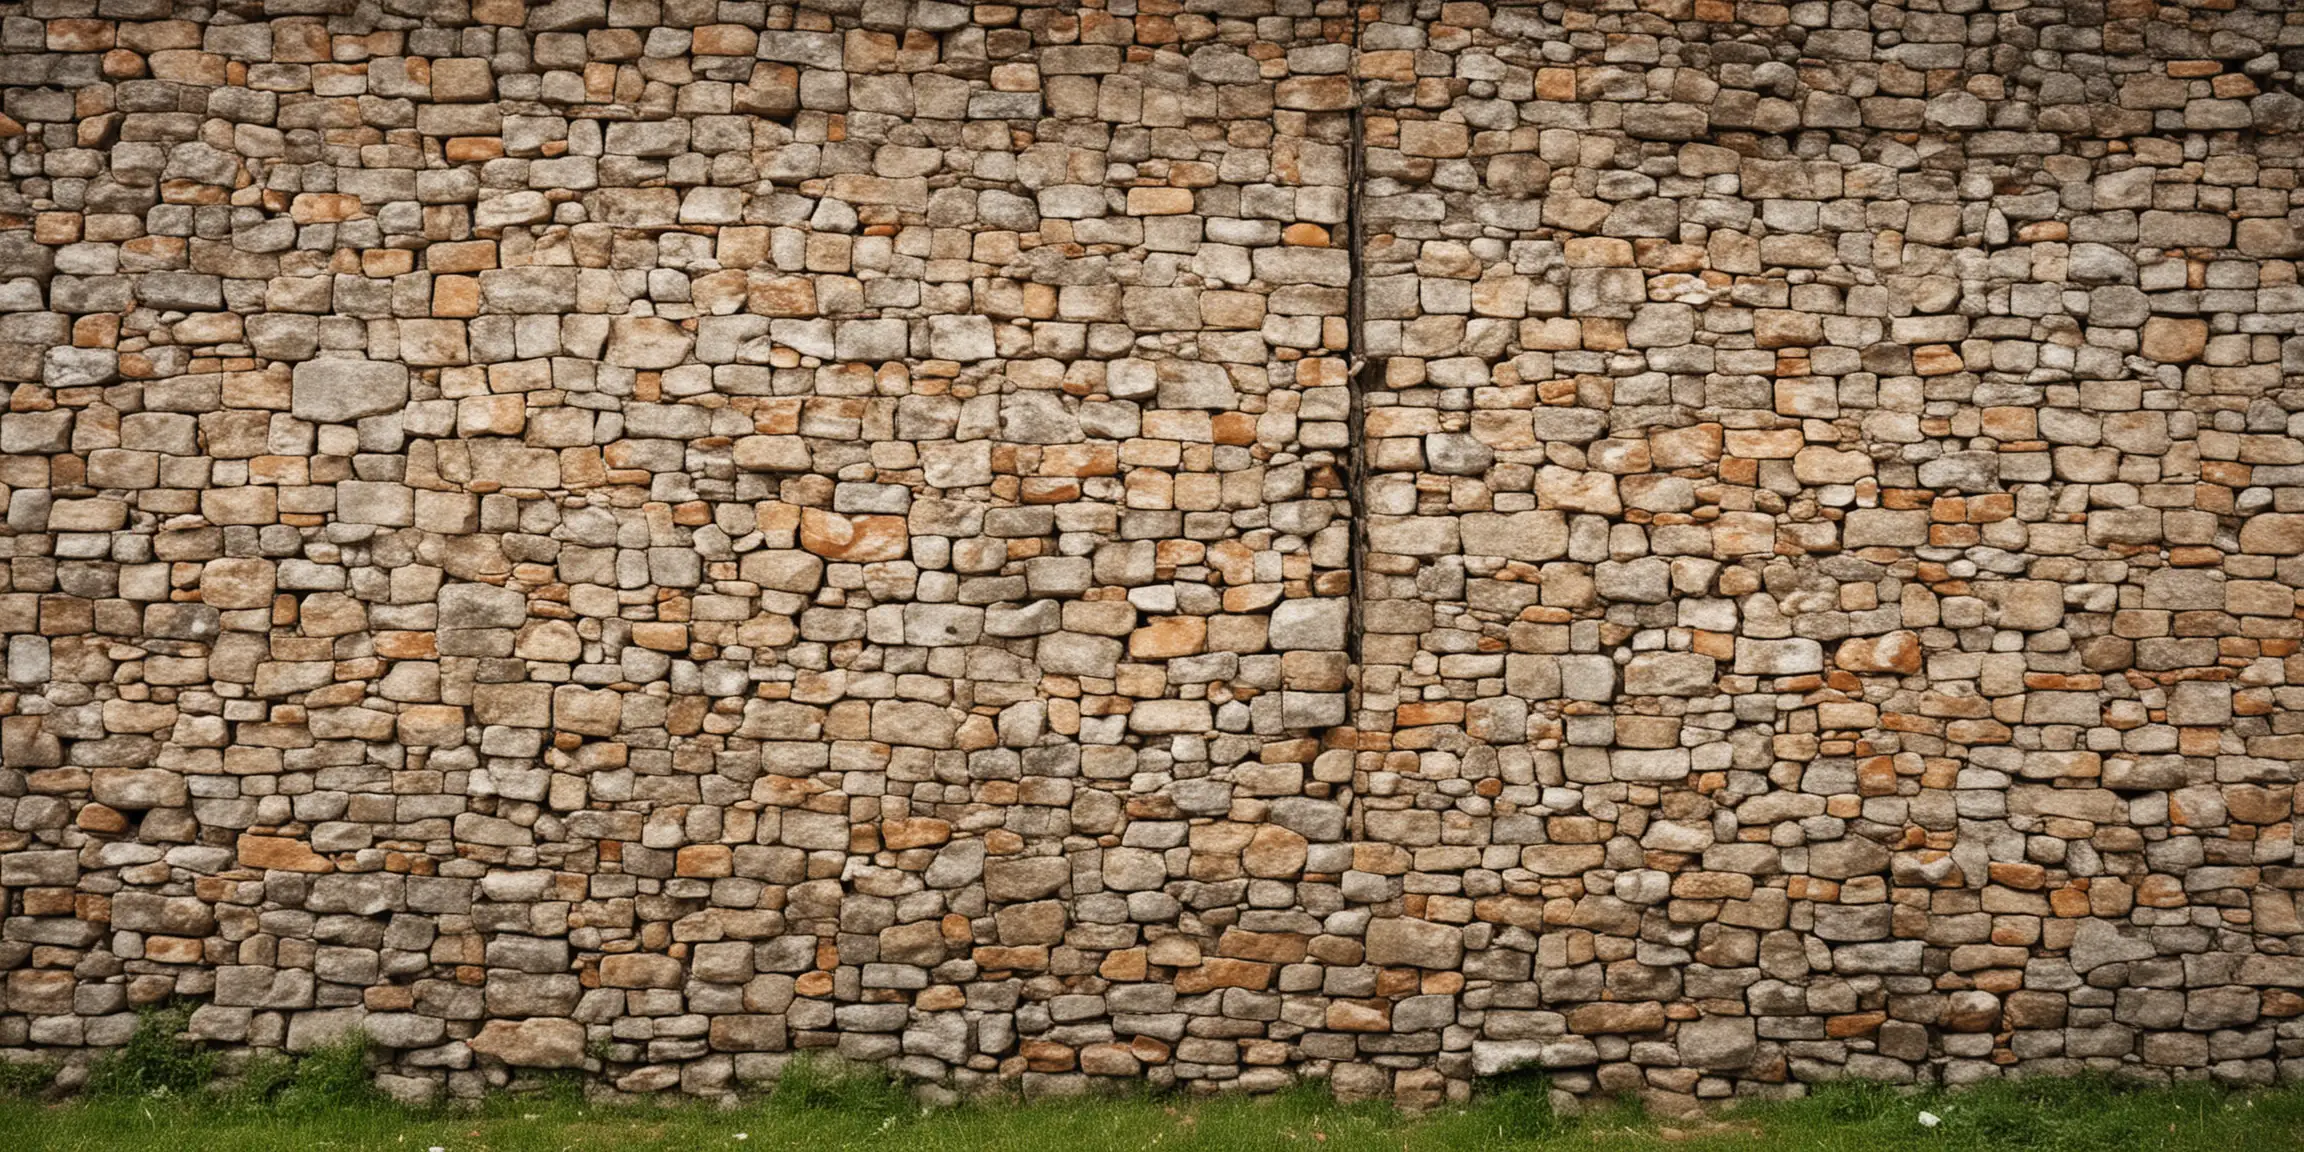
819, 1113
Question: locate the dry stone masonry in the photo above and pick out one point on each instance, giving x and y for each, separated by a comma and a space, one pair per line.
1703, 546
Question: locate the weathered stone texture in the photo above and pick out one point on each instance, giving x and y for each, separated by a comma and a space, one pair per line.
1706, 546
1904, 675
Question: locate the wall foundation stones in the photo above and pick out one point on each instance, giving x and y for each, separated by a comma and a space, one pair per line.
1705, 546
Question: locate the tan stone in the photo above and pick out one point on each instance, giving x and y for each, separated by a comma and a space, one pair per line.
237, 584
433, 725
1275, 851
282, 854
853, 538
2171, 340
537, 1043
1168, 636
1159, 201
1895, 652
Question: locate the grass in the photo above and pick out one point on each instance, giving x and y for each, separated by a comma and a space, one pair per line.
828, 1114
155, 1060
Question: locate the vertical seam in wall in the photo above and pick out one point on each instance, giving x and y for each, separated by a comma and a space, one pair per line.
1355, 438
1355, 353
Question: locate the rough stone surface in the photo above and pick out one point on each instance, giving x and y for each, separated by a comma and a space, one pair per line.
1704, 546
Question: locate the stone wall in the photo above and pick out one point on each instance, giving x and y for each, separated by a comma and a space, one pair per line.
1703, 545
